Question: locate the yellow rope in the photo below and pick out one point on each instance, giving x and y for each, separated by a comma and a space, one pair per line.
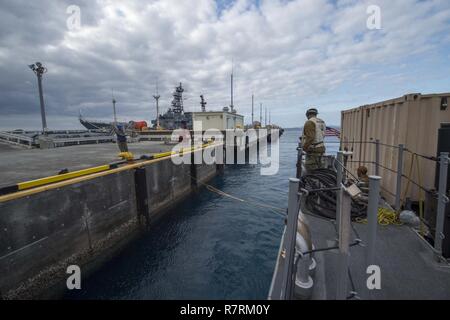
385, 217
258, 204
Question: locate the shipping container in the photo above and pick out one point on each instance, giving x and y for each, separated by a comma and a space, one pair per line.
412, 120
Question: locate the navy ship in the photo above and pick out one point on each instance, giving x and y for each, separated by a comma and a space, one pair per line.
175, 117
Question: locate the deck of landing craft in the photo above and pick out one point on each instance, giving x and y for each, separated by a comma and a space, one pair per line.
408, 269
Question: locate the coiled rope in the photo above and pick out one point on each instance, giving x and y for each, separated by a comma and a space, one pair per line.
323, 203
385, 217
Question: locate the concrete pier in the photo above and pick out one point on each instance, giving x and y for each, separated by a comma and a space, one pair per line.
82, 220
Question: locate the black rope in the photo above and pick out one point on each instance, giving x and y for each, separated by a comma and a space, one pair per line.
323, 203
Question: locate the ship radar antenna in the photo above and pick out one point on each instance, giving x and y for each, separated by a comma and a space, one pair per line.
203, 103
157, 96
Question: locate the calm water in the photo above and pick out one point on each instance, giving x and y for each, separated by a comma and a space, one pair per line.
208, 247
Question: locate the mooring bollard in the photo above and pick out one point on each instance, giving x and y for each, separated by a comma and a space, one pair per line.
398, 190
372, 218
442, 201
344, 244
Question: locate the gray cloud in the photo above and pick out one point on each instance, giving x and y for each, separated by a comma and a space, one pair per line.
290, 54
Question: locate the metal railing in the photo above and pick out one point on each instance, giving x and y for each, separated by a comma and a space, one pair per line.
442, 161
343, 213
16, 139
289, 266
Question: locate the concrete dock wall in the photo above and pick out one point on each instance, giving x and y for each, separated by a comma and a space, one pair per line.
44, 232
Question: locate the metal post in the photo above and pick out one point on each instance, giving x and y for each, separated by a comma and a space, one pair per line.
289, 241
372, 217
41, 99
377, 157
339, 173
442, 200
157, 112
344, 245
299, 158
399, 177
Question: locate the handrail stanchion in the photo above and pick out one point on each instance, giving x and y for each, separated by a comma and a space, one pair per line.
442, 200
344, 244
339, 174
299, 158
372, 218
399, 177
377, 157
289, 241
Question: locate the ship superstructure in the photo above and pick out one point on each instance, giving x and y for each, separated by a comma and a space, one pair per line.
175, 117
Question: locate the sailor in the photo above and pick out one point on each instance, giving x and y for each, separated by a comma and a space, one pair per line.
312, 140
363, 179
121, 137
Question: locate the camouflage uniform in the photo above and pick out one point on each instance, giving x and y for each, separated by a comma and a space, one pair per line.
313, 143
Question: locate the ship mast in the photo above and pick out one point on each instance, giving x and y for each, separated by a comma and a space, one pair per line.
157, 96
114, 106
203, 103
265, 116
232, 95
252, 107
177, 102
260, 114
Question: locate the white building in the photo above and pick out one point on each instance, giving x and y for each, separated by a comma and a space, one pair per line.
220, 120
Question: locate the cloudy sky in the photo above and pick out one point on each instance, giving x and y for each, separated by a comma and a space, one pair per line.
290, 54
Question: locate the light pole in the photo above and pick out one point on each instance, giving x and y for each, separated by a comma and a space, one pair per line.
39, 70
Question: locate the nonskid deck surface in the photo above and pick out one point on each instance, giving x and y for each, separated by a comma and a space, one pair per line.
17, 165
408, 269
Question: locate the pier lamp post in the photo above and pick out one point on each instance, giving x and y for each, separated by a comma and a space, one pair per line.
39, 70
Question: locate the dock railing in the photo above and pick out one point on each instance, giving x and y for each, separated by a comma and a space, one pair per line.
16, 139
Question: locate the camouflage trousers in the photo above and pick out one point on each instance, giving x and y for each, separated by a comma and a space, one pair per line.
313, 161
123, 147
